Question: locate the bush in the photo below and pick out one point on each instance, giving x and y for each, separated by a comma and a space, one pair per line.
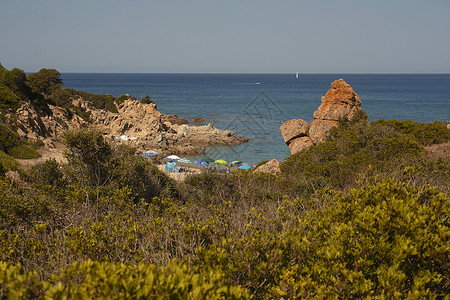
17, 284
424, 133
387, 240
351, 149
14, 145
89, 280
8, 163
8, 100
23, 152
119, 100
48, 173
99, 101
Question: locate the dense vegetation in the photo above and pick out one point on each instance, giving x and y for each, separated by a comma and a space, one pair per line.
108, 224
45, 87
364, 214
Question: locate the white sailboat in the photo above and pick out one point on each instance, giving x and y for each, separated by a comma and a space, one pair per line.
296, 75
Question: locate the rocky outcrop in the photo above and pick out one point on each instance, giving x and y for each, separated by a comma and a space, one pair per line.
33, 124
294, 129
341, 101
137, 123
272, 167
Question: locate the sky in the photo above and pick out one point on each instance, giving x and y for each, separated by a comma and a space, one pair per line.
232, 36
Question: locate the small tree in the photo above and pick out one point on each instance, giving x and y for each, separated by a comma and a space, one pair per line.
146, 99
44, 82
88, 156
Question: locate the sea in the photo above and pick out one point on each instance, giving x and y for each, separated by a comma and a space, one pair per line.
255, 105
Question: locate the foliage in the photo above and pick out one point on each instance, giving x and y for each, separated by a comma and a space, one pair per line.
88, 155
13, 88
425, 133
48, 173
99, 101
15, 283
119, 100
13, 145
94, 162
44, 81
387, 240
23, 151
88, 280
357, 147
8, 163
146, 100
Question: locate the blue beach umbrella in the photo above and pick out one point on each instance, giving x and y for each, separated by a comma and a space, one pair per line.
201, 162
244, 167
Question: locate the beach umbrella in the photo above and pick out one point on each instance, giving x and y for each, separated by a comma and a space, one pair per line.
235, 163
150, 154
201, 162
172, 157
220, 161
184, 160
208, 160
244, 167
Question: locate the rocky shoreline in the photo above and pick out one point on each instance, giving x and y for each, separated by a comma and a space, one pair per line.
136, 123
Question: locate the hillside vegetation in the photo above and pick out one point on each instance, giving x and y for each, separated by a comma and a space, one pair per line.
364, 214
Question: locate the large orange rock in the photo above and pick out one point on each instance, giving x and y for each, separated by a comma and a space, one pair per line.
300, 144
294, 128
319, 129
340, 101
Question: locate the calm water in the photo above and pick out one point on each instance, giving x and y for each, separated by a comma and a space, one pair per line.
255, 105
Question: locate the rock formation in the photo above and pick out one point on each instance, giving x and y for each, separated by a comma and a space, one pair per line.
340, 101
272, 167
142, 125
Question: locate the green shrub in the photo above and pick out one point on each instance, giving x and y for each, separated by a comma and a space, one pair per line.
8, 137
17, 284
353, 148
61, 97
48, 173
424, 133
89, 280
119, 100
8, 100
387, 240
99, 101
14, 145
23, 152
8, 163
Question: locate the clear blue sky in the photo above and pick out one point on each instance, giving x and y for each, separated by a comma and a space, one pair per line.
250, 36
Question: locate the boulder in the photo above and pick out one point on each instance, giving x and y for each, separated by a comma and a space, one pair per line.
293, 129
300, 144
319, 129
341, 101
272, 167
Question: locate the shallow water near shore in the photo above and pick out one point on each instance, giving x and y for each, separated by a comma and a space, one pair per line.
255, 105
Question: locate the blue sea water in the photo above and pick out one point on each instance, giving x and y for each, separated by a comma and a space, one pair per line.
255, 105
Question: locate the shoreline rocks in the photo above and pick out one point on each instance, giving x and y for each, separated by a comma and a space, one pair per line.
341, 101
136, 123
